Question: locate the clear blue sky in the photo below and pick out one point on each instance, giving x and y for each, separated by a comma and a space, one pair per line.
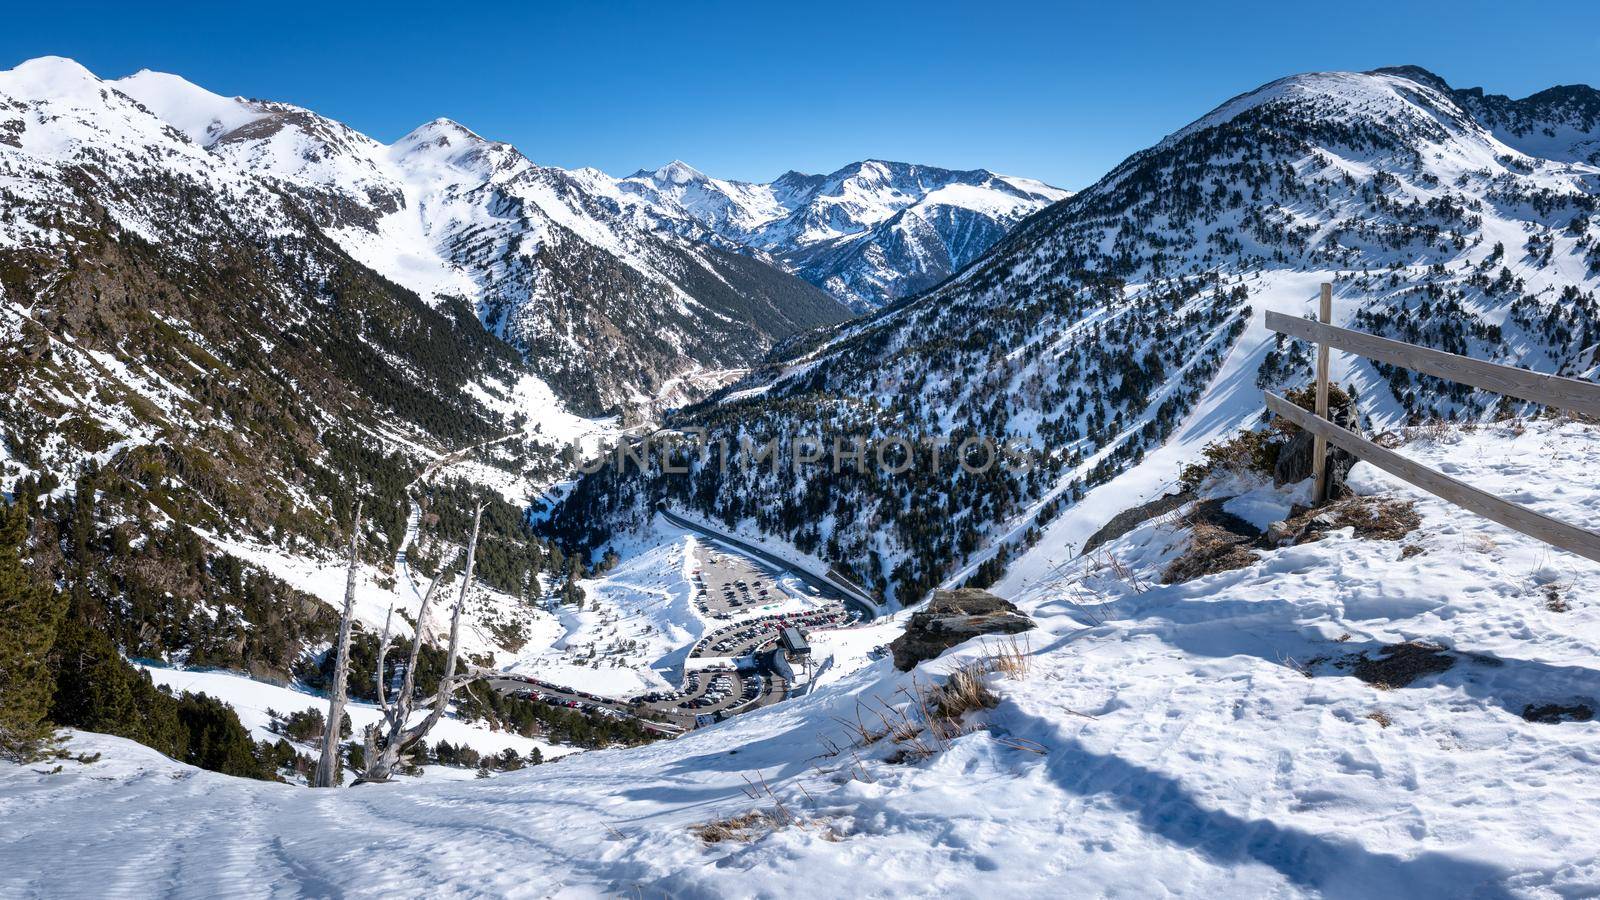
747, 90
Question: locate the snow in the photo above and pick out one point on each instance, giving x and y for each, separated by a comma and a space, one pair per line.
191, 109
636, 626
1264, 504
55, 77
1164, 741
251, 700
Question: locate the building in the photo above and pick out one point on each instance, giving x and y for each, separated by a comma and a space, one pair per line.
793, 642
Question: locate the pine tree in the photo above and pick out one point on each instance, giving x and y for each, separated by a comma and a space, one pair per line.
30, 614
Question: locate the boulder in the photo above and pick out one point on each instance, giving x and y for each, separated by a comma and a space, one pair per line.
951, 618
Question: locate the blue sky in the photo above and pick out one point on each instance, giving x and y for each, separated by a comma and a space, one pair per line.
1056, 91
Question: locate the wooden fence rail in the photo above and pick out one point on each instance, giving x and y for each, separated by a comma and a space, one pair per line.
1518, 518
1551, 390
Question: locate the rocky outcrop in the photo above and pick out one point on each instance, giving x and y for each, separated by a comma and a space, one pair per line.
1129, 519
951, 618
1294, 461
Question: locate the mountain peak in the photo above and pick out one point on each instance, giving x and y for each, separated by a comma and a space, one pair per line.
48, 76
441, 137
1414, 73
442, 128
678, 172
202, 115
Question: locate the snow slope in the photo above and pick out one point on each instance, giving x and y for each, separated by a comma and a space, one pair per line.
634, 629
1164, 741
252, 699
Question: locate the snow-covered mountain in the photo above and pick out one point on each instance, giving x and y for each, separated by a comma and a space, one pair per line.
204, 372
1128, 316
869, 233
181, 338
607, 307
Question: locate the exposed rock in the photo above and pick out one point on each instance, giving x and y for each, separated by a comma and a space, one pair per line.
1294, 460
1125, 521
951, 618
1556, 713
1280, 533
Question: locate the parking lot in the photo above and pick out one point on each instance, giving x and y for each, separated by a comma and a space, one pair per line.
755, 635
729, 585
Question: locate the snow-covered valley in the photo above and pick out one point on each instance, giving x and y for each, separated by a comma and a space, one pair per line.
1191, 738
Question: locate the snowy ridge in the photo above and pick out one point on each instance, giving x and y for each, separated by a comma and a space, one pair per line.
557, 263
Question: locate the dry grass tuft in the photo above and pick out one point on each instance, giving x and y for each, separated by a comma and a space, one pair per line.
1435, 430
1211, 550
1397, 665
744, 827
757, 823
1381, 717
1372, 518
963, 692
1011, 656
1107, 562
930, 716
1379, 519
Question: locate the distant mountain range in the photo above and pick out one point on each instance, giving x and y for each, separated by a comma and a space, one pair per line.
620, 293
868, 233
608, 305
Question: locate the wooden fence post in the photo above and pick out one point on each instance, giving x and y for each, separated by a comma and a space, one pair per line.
1319, 447
1525, 384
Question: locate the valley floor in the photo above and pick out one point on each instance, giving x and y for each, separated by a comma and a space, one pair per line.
1203, 738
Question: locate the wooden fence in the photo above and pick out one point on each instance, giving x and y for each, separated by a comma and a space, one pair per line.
1551, 390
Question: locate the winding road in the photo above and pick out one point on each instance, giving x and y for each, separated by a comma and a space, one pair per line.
852, 596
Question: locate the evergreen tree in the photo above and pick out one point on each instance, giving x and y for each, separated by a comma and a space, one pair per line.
30, 613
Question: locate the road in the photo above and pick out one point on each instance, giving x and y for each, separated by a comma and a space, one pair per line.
852, 597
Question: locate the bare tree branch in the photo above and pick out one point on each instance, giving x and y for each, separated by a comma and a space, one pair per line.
383, 654
328, 762
382, 760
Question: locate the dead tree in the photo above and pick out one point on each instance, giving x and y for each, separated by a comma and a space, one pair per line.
328, 762
395, 731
